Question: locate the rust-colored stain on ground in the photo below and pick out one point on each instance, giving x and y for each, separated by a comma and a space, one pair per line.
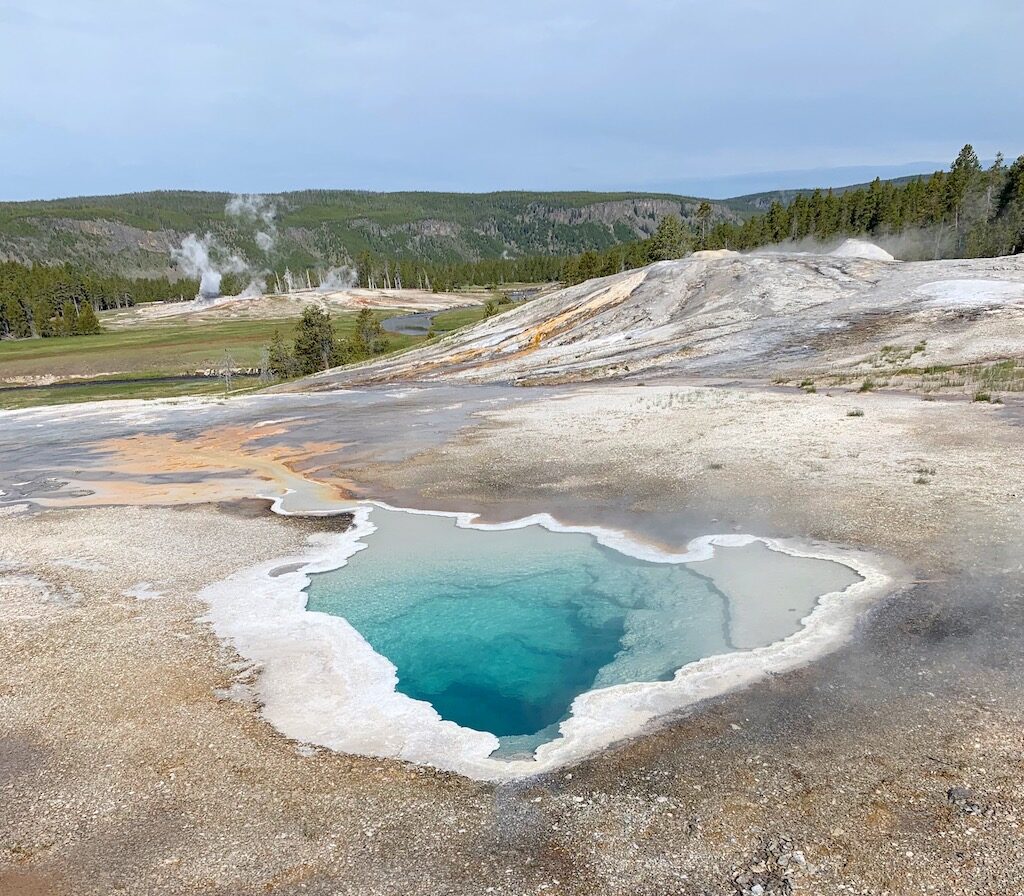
577, 314
519, 345
232, 465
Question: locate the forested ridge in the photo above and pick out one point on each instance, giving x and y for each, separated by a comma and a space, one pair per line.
968, 211
135, 233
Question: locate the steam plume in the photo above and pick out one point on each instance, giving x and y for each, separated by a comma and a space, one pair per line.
339, 278
206, 259
261, 211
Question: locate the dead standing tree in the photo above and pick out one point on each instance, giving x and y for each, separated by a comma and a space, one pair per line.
226, 370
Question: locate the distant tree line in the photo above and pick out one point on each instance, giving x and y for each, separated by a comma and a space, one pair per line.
671, 239
374, 272
967, 211
59, 300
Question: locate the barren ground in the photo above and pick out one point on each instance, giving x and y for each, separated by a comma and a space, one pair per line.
894, 766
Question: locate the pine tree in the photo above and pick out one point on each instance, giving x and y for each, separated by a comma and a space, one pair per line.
88, 323
1010, 209
40, 315
280, 360
962, 175
367, 339
17, 319
704, 216
670, 239
315, 346
68, 319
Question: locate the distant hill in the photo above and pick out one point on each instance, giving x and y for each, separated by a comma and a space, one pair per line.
759, 202
135, 233
791, 180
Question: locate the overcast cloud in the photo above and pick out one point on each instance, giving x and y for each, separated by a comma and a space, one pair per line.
111, 96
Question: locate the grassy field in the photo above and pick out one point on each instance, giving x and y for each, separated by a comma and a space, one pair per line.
98, 390
457, 318
447, 321
164, 349
146, 356
159, 350
144, 362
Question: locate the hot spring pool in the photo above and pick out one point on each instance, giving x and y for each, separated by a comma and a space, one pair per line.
500, 630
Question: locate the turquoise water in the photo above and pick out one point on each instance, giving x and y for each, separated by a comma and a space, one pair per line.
499, 631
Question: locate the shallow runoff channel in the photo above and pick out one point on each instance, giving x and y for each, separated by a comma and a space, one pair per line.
504, 650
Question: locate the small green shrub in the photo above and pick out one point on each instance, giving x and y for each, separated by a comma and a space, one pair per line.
855, 412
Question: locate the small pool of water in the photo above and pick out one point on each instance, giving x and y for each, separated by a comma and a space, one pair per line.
501, 630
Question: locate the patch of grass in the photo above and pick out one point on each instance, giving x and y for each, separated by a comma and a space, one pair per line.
1002, 376
867, 386
921, 480
982, 396
855, 412
896, 354
999, 376
716, 465
457, 318
30, 397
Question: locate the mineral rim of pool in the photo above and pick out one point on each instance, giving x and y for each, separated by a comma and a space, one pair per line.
500, 630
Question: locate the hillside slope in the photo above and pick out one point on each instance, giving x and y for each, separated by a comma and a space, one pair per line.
134, 233
723, 314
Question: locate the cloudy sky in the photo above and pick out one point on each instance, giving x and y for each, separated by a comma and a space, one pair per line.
100, 96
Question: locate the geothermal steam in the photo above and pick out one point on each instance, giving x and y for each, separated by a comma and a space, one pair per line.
339, 278
207, 260
259, 210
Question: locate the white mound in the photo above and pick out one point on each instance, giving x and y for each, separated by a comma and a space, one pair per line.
715, 253
852, 248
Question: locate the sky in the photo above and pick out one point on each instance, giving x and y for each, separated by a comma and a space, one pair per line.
707, 98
